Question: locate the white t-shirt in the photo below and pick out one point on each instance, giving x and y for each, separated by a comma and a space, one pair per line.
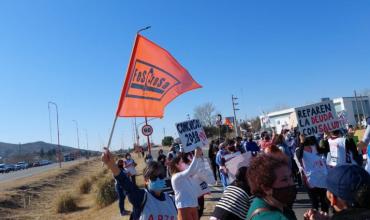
157, 209
337, 155
130, 167
183, 186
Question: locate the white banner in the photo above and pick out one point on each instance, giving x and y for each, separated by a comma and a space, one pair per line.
233, 164
317, 118
191, 134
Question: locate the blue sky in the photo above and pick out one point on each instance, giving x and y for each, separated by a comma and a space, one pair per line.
268, 53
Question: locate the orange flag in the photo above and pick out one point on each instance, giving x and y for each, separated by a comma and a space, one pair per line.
153, 79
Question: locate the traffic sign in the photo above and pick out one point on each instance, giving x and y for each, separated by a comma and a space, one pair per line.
147, 130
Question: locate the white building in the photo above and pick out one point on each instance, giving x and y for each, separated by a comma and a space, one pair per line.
345, 107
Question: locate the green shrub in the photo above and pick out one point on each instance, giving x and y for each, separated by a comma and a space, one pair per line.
106, 193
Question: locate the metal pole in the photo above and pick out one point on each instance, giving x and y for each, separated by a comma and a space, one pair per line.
87, 144
51, 136
137, 134
59, 148
111, 132
78, 138
235, 121
357, 109
362, 107
149, 150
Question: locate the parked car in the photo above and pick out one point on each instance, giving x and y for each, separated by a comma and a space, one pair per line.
44, 162
36, 164
22, 165
9, 168
2, 168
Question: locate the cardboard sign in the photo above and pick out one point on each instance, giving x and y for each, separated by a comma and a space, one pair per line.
191, 134
317, 118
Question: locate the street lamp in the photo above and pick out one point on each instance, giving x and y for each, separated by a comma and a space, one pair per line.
78, 137
87, 145
59, 149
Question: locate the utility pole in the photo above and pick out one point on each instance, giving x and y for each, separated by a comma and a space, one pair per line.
357, 110
364, 115
233, 100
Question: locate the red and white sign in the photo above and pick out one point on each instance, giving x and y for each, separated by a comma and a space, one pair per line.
147, 130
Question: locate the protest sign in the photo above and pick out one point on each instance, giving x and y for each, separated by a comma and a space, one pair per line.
233, 164
317, 118
191, 134
314, 167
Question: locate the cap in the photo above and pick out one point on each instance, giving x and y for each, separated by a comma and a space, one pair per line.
344, 181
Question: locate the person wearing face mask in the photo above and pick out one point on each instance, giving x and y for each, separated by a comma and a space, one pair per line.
185, 199
270, 180
129, 165
348, 191
148, 203
120, 193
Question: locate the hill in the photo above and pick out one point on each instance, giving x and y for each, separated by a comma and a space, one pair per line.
35, 150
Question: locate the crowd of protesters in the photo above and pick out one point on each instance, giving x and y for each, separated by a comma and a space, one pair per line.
329, 167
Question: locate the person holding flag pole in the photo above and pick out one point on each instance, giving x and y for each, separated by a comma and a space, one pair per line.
153, 79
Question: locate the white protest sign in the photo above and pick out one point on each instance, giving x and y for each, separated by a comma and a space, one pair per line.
317, 118
314, 167
191, 134
233, 165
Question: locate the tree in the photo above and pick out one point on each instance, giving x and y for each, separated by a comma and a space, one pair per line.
167, 141
42, 153
205, 114
256, 124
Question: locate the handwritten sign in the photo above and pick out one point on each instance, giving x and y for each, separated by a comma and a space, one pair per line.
317, 118
191, 134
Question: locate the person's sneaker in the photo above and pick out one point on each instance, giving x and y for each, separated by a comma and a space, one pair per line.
125, 213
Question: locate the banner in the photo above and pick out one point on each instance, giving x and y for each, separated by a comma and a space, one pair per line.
153, 79
317, 118
191, 134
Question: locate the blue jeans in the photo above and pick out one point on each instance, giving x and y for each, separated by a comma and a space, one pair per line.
121, 198
224, 179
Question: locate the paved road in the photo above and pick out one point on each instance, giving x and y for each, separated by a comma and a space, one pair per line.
32, 171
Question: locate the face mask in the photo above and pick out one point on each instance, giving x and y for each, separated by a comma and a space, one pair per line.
158, 185
285, 195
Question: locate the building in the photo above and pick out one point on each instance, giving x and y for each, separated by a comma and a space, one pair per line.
352, 110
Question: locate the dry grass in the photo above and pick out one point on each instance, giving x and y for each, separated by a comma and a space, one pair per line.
84, 186
66, 203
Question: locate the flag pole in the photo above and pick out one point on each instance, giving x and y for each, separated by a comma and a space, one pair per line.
112, 131
146, 123
115, 119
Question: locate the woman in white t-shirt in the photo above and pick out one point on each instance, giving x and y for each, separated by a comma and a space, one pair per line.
129, 165
183, 185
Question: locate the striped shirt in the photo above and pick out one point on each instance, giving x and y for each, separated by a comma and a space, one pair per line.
234, 204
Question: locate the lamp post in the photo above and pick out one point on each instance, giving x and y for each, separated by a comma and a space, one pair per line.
59, 148
78, 137
87, 145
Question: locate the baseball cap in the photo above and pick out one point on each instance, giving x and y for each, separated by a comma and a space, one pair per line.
344, 181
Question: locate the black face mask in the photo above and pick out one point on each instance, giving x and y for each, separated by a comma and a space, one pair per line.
285, 195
